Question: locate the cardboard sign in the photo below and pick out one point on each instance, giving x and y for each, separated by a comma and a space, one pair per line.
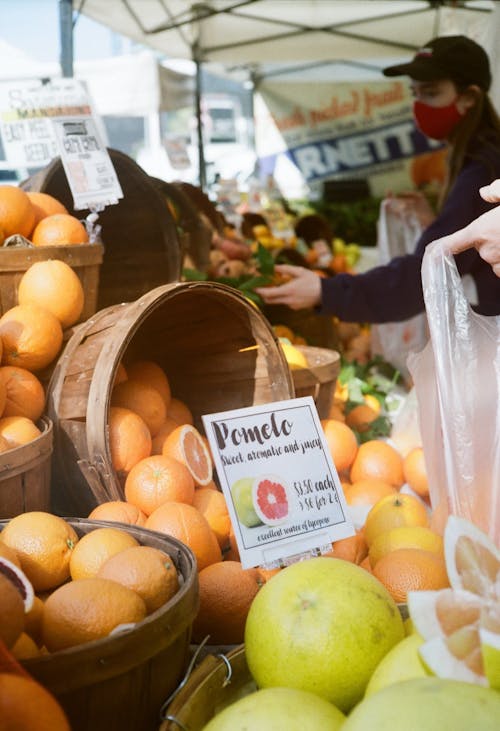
278, 478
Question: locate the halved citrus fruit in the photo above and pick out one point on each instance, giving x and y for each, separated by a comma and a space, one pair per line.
186, 445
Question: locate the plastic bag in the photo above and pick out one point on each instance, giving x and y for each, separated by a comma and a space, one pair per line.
457, 381
394, 341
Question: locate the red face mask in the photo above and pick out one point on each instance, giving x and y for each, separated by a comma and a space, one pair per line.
436, 122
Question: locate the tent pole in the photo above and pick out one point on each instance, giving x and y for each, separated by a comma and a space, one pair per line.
66, 37
202, 174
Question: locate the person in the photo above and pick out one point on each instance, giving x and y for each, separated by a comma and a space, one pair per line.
450, 78
483, 233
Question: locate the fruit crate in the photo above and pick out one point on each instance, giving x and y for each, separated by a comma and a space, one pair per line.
319, 378
25, 474
119, 683
217, 349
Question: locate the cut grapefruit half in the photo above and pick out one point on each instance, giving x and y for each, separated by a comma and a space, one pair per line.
186, 445
461, 625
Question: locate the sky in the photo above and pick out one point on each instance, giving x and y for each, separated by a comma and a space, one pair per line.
33, 27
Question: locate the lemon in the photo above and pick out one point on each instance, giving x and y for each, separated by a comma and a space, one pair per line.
294, 357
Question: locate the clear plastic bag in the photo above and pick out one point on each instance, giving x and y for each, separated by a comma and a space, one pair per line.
394, 341
457, 381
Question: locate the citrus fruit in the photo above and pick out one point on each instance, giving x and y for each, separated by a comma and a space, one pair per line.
179, 412
120, 374
166, 428
212, 505
241, 493
95, 547
25, 704
88, 609
352, 549
129, 439
44, 544
271, 499
406, 536
393, 511
410, 569
31, 336
226, 593
378, 460
415, 473
24, 393
294, 357
321, 624
44, 205
278, 708
11, 611
59, 229
144, 400
25, 647
432, 704
342, 443
401, 663
147, 571
17, 215
151, 373
19, 579
367, 492
156, 480
118, 511
188, 525
186, 445
9, 553
54, 286
360, 417
33, 620
18, 430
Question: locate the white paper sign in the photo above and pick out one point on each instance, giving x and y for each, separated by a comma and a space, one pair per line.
281, 486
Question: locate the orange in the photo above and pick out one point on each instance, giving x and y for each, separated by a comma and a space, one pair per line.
188, 525
353, 549
411, 569
367, 492
11, 611
33, 620
60, 229
147, 571
4, 445
151, 374
32, 337
120, 374
144, 400
26, 705
18, 430
415, 473
88, 609
24, 393
336, 413
129, 439
44, 544
159, 440
3, 395
179, 411
95, 547
360, 417
365, 564
10, 554
266, 575
394, 511
377, 459
25, 647
119, 511
342, 443
373, 402
233, 554
17, 215
44, 205
54, 286
226, 593
156, 480
212, 504
186, 445
405, 536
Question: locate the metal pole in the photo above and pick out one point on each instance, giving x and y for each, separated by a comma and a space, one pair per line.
66, 36
202, 173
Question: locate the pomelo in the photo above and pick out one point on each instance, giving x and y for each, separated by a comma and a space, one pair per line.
278, 709
271, 499
427, 704
400, 663
241, 492
321, 625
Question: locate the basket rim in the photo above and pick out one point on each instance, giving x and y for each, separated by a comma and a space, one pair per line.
29, 455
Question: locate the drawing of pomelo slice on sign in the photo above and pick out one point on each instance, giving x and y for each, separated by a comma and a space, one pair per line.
271, 499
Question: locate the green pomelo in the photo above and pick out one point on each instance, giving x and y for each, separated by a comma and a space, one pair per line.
490, 650
428, 704
278, 709
321, 625
400, 663
241, 492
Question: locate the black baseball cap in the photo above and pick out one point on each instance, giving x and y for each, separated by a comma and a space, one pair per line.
451, 57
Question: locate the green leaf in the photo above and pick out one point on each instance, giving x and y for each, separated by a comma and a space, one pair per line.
254, 282
194, 275
379, 427
265, 260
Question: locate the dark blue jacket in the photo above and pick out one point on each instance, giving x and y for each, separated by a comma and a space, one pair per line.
393, 292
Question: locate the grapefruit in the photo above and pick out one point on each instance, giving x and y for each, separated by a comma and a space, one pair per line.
270, 499
321, 625
401, 663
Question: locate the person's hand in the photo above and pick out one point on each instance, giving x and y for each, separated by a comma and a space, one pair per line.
302, 291
483, 234
411, 204
491, 192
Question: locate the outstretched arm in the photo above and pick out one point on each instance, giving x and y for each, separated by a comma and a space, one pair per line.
483, 234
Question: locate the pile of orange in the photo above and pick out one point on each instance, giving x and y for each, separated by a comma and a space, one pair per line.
22, 402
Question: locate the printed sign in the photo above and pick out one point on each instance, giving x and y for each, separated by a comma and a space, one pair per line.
278, 478
39, 120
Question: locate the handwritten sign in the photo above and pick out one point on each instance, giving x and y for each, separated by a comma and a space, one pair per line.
278, 478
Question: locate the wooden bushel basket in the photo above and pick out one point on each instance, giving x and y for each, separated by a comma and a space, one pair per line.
319, 379
25, 475
84, 259
141, 247
217, 349
119, 683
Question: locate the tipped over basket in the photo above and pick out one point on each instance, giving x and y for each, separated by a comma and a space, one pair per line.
319, 378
